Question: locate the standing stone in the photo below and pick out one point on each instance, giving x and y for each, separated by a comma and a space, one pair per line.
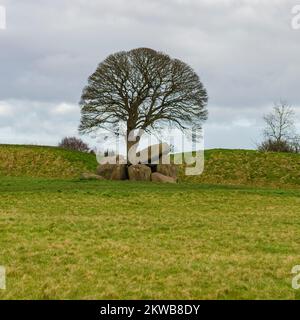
139, 172
169, 170
105, 170
119, 172
113, 171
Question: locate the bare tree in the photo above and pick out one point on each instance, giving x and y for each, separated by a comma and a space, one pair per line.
280, 123
73, 143
143, 89
279, 132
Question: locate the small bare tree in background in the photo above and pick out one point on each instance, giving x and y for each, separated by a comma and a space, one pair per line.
73, 143
280, 124
280, 134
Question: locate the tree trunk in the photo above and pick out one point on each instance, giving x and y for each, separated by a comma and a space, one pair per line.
136, 139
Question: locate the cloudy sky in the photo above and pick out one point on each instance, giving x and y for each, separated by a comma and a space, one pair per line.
245, 52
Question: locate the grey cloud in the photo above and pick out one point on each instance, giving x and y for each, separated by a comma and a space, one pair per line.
244, 51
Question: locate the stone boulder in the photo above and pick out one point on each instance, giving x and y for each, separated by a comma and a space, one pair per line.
119, 172
158, 177
169, 170
139, 172
90, 176
105, 170
112, 171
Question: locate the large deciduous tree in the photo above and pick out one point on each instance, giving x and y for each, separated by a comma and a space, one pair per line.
142, 89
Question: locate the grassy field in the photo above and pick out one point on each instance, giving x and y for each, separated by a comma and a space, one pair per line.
44, 162
231, 233
222, 167
111, 240
249, 167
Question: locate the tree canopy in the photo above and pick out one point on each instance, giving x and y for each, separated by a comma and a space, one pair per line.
143, 89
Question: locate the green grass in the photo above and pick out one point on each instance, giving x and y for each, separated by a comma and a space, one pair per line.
248, 167
44, 162
222, 167
231, 233
77, 239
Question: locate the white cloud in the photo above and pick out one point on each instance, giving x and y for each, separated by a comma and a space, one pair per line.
37, 122
65, 108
